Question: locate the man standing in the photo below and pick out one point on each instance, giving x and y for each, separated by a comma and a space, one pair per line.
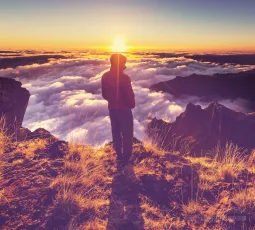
117, 90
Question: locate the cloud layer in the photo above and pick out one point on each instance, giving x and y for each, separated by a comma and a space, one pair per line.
66, 93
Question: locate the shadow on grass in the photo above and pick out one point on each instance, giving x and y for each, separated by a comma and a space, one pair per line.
125, 212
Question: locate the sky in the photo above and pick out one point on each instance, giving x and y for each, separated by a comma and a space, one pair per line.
183, 25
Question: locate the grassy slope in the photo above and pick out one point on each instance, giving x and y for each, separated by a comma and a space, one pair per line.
159, 190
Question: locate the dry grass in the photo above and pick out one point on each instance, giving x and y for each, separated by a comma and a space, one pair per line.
4, 141
176, 144
193, 207
151, 148
230, 161
149, 167
194, 213
251, 163
84, 186
245, 200
207, 172
227, 164
30, 148
4, 138
156, 218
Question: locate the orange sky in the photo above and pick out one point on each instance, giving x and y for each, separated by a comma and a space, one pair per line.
164, 25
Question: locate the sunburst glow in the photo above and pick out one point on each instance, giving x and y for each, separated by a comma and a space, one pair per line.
119, 45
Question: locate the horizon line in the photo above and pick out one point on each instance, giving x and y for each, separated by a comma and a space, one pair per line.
132, 50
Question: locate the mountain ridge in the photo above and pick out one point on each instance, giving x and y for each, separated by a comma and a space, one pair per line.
205, 128
210, 88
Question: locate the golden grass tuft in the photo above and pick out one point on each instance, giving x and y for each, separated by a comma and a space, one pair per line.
206, 185
4, 138
194, 213
245, 200
156, 218
151, 148
4, 141
193, 207
230, 161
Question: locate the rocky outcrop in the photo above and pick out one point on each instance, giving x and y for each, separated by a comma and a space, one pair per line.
203, 129
13, 103
208, 88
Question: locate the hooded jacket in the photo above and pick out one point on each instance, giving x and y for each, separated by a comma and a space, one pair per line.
117, 90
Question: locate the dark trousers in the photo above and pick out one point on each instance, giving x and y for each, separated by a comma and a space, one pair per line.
122, 133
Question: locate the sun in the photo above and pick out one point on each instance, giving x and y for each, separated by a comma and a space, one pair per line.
119, 45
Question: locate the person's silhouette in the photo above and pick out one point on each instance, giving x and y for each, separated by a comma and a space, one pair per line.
117, 90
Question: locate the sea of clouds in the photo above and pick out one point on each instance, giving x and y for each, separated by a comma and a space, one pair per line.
66, 92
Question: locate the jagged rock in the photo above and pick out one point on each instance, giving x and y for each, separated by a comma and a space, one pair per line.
203, 129
23, 134
13, 103
42, 134
58, 150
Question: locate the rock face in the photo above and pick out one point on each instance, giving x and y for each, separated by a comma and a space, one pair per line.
203, 129
13, 103
218, 86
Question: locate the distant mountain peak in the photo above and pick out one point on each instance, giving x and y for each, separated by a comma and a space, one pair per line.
192, 107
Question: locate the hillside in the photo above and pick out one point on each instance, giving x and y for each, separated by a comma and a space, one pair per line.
51, 184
